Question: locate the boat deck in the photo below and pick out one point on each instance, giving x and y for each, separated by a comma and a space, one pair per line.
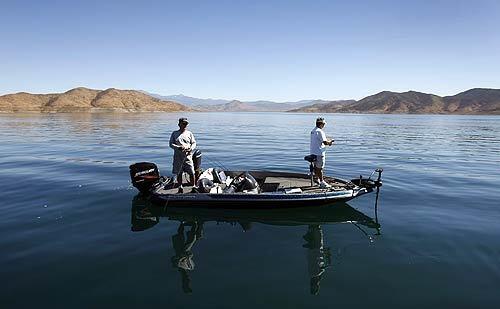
274, 183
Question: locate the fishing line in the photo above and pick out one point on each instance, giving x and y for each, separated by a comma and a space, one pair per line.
364, 232
215, 162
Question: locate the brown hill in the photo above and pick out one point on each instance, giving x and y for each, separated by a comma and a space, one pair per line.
252, 106
233, 106
322, 106
87, 100
474, 101
23, 101
387, 102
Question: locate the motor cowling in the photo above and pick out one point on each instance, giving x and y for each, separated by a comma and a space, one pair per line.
144, 175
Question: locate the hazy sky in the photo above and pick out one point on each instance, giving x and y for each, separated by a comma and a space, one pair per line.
278, 50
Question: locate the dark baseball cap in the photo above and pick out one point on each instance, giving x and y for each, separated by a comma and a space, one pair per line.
183, 120
320, 120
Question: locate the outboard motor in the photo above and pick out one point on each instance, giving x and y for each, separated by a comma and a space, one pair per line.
144, 175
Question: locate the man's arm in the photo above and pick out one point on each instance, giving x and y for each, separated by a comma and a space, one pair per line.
172, 143
193, 143
325, 141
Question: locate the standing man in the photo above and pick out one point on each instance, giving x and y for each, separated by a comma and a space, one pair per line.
318, 148
183, 143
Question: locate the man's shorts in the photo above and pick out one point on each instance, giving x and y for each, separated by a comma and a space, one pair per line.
182, 163
320, 162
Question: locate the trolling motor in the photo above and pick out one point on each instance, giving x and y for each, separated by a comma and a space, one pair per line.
378, 182
368, 182
311, 159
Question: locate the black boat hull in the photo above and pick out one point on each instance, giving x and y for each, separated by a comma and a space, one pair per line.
239, 201
278, 190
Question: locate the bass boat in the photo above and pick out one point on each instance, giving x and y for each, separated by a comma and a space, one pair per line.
220, 188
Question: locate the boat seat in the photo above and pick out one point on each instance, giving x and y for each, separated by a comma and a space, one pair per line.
310, 158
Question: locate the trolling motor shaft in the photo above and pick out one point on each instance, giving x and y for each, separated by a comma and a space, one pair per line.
378, 182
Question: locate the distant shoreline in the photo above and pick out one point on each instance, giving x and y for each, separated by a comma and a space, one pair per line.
478, 101
222, 112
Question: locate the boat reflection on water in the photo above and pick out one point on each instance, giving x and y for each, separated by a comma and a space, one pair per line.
145, 215
183, 258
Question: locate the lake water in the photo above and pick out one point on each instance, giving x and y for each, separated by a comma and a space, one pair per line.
68, 212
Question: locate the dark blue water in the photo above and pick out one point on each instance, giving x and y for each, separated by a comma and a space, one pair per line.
68, 210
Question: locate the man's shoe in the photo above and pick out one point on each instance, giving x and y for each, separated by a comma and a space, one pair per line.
324, 185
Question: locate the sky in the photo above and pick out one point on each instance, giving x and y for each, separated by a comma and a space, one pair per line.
250, 50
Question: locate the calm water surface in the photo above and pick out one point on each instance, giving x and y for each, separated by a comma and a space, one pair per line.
75, 236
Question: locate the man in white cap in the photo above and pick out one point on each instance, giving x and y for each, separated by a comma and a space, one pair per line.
183, 143
318, 148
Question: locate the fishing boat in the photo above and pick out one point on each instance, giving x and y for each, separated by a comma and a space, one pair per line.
248, 189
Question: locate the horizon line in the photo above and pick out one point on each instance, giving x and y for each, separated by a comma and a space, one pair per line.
153, 92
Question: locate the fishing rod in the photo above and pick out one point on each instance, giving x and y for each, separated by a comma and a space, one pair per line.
215, 162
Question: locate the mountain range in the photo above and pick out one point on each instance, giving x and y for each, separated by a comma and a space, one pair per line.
87, 100
255, 106
473, 101
235, 105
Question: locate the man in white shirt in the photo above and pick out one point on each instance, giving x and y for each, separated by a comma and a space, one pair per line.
318, 148
183, 143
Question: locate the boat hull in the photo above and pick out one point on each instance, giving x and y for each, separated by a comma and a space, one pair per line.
241, 200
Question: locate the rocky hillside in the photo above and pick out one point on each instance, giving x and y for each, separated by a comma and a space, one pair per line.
323, 106
387, 102
222, 105
233, 106
474, 101
188, 101
87, 100
255, 106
